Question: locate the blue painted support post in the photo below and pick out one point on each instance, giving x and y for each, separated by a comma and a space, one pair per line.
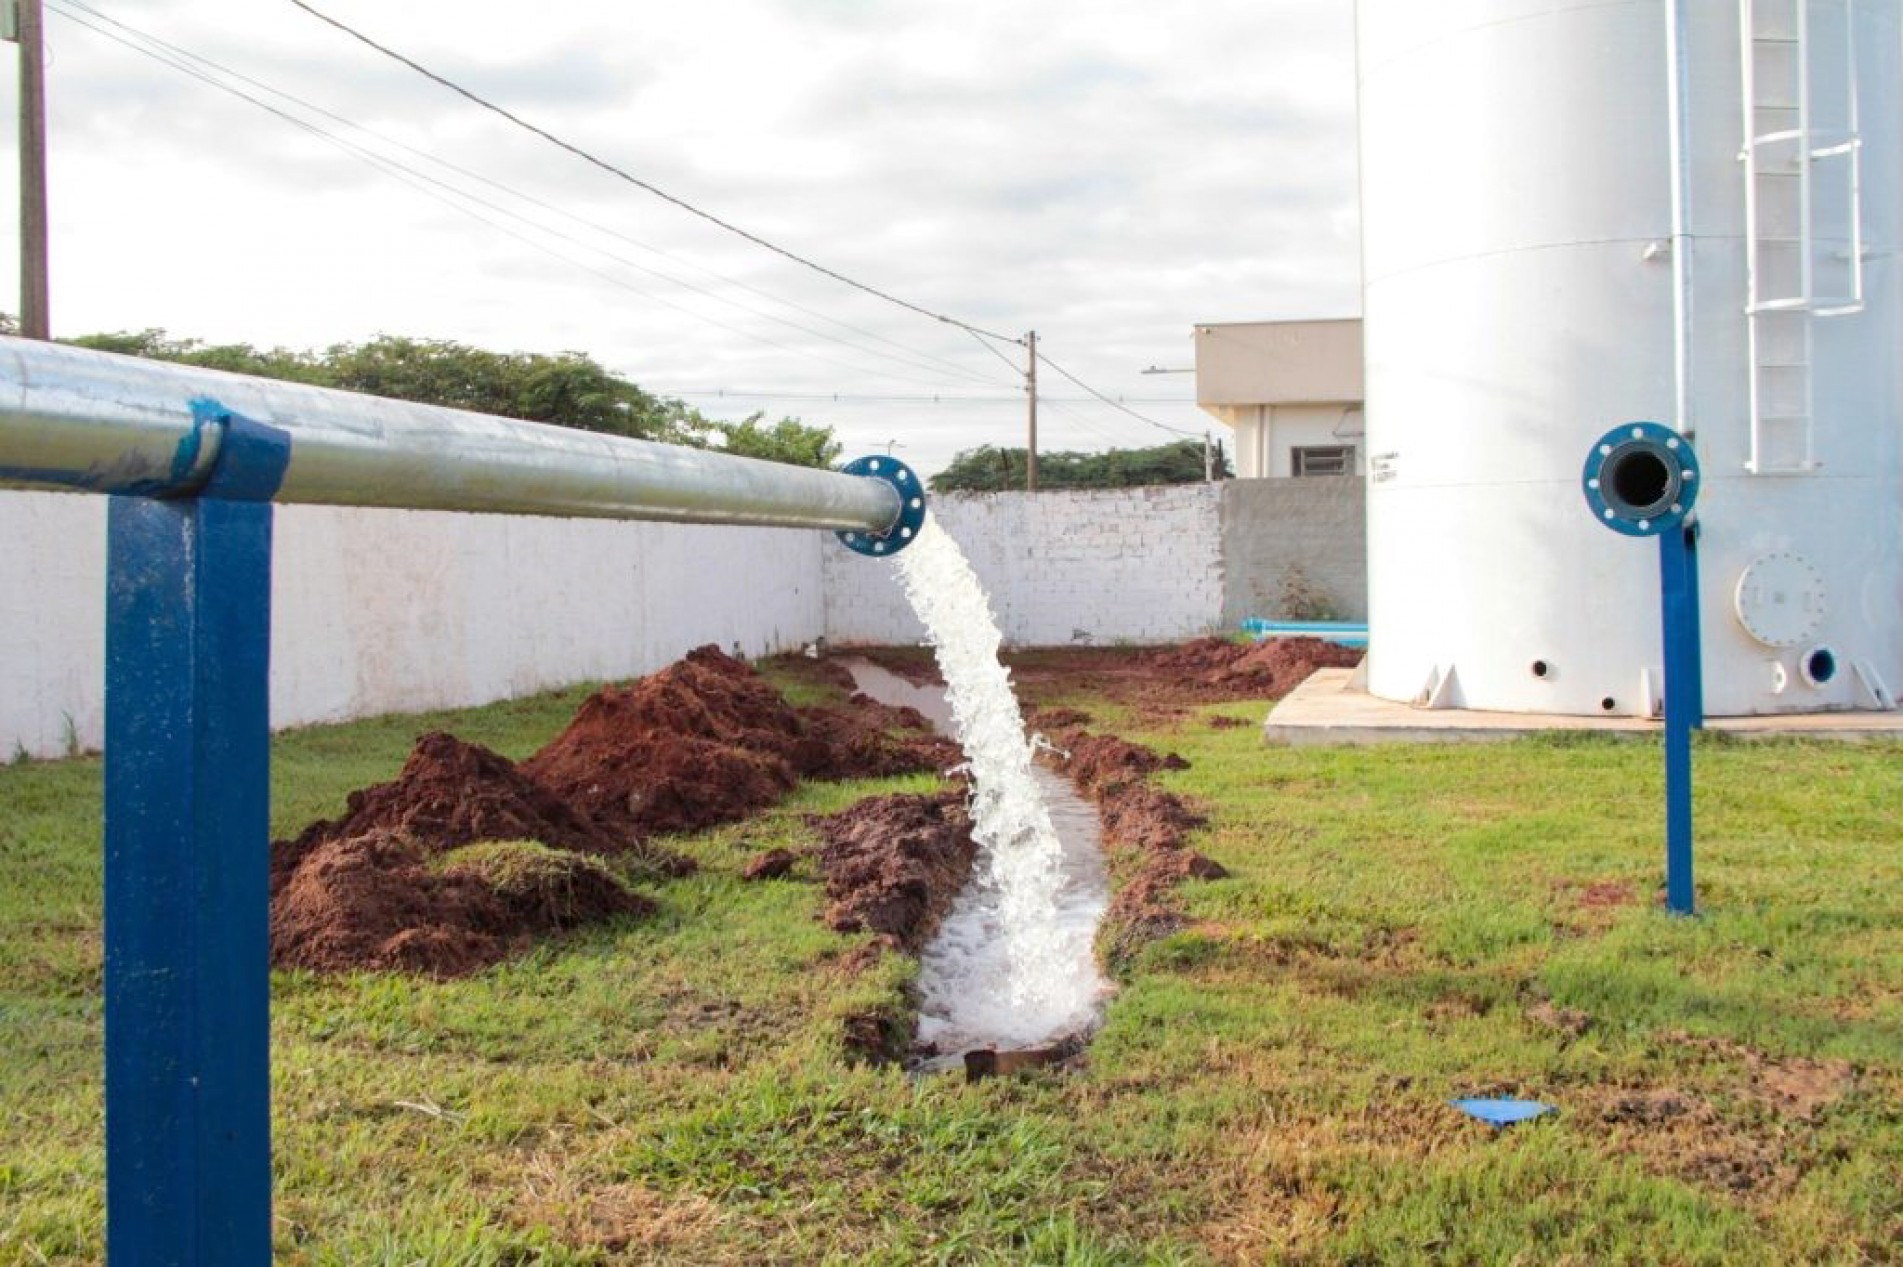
1684, 691
188, 1147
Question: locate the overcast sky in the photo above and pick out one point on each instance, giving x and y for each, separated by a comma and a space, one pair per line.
1108, 173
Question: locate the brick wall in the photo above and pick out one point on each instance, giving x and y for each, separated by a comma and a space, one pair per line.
392, 611
381, 611
1127, 565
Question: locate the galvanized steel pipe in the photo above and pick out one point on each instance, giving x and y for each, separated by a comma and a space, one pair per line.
75, 418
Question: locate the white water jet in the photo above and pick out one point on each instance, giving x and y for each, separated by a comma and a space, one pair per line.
1021, 860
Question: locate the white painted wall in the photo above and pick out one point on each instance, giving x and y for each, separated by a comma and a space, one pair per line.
378, 611
1074, 567
52, 621
396, 611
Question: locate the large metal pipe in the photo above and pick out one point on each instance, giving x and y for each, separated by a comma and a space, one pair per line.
75, 418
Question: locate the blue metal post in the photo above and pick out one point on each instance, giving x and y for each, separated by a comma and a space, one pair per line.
1684, 691
188, 1150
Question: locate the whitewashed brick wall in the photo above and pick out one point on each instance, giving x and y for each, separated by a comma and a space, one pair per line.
1085, 567
397, 611
379, 611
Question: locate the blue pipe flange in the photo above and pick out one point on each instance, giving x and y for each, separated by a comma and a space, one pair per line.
883, 466
1641, 478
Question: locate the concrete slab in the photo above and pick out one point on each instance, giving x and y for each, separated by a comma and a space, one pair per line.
1328, 709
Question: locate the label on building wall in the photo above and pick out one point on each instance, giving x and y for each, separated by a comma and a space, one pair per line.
1383, 467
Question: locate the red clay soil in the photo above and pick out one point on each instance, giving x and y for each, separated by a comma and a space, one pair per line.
705, 741
451, 793
773, 864
1140, 819
893, 864
1160, 682
375, 902
1215, 668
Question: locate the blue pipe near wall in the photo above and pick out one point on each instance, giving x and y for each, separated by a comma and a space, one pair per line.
187, 972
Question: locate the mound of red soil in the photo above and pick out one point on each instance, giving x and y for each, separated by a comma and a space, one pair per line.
1097, 761
707, 740
858, 743
451, 793
374, 902
1214, 668
893, 864
704, 741
1140, 818
1157, 682
1050, 720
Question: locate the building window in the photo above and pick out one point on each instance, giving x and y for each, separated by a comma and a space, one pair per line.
1331, 459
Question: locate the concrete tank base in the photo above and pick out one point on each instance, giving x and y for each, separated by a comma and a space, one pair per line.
1329, 708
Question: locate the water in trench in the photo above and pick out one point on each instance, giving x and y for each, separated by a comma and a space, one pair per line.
1014, 964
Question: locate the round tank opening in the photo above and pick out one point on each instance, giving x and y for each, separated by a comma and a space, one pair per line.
1820, 665
1608, 704
1638, 482
1542, 669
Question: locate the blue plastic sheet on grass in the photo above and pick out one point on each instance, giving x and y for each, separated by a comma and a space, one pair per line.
1503, 1112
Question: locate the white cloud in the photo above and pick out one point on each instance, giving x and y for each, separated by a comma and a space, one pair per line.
1108, 173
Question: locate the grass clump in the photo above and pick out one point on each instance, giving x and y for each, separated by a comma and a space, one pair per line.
543, 887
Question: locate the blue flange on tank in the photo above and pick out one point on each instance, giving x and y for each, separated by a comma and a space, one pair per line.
911, 493
1641, 480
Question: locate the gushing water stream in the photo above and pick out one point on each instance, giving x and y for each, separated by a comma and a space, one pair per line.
1014, 964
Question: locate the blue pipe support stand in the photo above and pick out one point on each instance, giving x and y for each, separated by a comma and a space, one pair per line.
187, 779
883, 466
1641, 479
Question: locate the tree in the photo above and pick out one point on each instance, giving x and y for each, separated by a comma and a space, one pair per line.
238, 358
992, 469
788, 440
567, 389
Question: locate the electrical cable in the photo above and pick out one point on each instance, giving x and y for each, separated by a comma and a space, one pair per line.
467, 173
636, 181
1161, 426
411, 177
1077, 417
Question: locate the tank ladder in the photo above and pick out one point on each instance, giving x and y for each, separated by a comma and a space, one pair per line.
1803, 172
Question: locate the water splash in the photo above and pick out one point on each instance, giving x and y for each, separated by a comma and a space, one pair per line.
1020, 856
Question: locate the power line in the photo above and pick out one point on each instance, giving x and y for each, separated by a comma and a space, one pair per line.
1114, 404
417, 180
532, 200
1063, 407
636, 181
915, 359
1001, 356
411, 176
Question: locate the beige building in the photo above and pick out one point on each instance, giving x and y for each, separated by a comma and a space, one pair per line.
1290, 389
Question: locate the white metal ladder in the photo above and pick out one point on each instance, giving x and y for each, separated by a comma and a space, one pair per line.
1803, 171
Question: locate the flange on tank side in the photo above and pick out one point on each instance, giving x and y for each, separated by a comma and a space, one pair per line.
1516, 230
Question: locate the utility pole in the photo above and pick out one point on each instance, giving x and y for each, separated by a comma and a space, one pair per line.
35, 322
1209, 461
1030, 388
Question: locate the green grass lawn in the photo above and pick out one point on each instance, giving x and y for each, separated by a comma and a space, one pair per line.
1403, 926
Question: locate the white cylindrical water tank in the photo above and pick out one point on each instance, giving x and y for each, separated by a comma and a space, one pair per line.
1521, 298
